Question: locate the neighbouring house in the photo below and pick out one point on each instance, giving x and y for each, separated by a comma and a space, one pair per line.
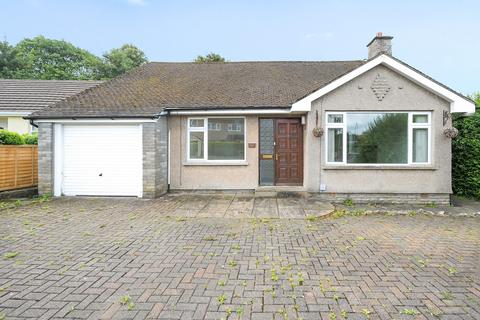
369, 130
19, 98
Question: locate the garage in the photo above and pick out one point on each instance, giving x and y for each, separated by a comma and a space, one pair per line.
98, 160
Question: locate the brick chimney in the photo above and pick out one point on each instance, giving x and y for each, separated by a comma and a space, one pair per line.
380, 44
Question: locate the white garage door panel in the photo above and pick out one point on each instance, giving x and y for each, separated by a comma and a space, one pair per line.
103, 160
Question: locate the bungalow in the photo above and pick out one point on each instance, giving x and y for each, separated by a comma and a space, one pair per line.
369, 130
19, 98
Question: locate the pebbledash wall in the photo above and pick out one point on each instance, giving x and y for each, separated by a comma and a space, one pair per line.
196, 175
401, 184
155, 158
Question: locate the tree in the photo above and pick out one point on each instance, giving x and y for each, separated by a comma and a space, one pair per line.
120, 60
47, 59
466, 153
211, 57
8, 60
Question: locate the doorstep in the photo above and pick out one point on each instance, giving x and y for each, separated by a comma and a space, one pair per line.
280, 191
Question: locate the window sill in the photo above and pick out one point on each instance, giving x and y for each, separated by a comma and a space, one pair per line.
215, 163
379, 167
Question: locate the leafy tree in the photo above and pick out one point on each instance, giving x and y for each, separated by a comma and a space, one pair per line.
466, 154
120, 60
8, 60
46, 59
211, 57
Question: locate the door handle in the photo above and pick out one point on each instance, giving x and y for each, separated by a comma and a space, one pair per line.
276, 156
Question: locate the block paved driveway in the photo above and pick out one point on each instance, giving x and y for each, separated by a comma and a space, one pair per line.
133, 259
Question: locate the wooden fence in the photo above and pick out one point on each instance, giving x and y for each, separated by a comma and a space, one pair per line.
18, 167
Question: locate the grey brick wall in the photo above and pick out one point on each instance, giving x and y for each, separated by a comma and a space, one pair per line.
396, 198
45, 158
155, 158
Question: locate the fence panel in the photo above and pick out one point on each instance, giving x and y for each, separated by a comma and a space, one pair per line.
18, 167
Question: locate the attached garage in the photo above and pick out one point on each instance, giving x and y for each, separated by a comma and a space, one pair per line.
98, 159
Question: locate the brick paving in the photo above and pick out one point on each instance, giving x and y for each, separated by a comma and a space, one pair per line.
167, 259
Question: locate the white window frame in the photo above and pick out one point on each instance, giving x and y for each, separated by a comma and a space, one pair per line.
204, 129
411, 127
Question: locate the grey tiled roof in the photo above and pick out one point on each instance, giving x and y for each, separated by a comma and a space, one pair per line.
153, 87
26, 96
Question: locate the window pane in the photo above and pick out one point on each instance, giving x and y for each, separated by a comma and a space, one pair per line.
335, 118
196, 145
420, 118
377, 138
335, 145
226, 139
196, 123
420, 145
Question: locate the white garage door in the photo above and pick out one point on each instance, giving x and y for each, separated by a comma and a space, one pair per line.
102, 160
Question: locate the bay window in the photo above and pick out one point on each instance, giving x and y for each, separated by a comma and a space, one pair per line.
216, 138
369, 138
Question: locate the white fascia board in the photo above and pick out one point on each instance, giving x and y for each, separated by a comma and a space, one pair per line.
13, 114
457, 102
230, 112
86, 120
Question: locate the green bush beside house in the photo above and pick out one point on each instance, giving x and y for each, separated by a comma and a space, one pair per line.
466, 154
13, 138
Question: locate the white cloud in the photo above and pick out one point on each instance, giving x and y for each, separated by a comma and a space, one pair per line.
137, 2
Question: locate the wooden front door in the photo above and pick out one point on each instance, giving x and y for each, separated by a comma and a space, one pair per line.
288, 152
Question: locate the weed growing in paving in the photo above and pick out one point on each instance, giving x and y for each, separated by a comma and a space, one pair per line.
126, 300
412, 213
209, 238
221, 299
10, 255
366, 313
447, 295
348, 202
452, 270
232, 263
409, 312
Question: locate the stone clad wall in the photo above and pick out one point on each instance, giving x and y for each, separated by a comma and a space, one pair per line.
45, 158
155, 158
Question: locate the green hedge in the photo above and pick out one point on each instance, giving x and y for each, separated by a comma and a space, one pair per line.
31, 138
466, 155
13, 138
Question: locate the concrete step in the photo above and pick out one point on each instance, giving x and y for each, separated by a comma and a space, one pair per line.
280, 192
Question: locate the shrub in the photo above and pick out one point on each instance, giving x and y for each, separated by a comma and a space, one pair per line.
8, 137
31, 138
466, 156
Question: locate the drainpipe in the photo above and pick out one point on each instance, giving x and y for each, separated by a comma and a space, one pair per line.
33, 123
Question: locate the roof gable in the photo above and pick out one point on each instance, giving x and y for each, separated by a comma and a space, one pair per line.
458, 102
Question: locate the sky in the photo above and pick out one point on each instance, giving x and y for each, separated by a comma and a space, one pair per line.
441, 38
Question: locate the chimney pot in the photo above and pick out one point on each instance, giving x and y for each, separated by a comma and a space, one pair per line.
380, 45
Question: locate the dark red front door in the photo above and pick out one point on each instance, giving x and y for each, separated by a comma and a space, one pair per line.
288, 152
